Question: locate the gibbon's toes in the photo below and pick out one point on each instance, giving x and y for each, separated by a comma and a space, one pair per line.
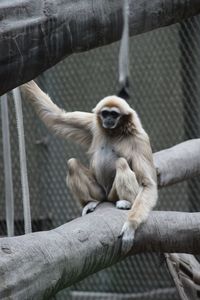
90, 207
123, 204
127, 234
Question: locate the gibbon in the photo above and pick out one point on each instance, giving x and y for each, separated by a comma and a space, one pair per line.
121, 164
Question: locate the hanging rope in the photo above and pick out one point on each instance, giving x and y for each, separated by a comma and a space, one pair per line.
9, 198
124, 55
23, 166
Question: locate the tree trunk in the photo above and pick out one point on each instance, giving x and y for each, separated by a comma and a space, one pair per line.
36, 34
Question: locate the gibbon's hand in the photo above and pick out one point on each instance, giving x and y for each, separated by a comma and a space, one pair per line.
123, 204
89, 207
127, 235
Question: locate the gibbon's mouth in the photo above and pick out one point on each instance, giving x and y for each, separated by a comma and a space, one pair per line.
109, 126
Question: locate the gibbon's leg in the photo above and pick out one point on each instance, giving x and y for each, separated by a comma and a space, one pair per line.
83, 186
125, 186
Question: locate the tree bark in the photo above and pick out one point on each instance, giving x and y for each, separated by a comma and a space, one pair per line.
38, 265
172, 168
36, 34
178, 163
185, 270
46, 262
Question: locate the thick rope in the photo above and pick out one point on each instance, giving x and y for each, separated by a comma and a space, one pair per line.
124, 54
23, 166
9, 198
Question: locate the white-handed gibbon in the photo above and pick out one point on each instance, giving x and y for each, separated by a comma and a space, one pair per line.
121, 164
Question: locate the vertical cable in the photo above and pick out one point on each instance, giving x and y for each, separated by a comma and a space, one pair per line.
9, 198
23, 166
124, 54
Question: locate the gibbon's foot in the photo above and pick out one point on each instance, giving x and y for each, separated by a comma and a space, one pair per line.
90, 207
123, 204
127, 234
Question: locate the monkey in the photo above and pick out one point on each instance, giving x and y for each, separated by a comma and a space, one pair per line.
121, 168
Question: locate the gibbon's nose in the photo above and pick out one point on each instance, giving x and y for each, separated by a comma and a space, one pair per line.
109, 123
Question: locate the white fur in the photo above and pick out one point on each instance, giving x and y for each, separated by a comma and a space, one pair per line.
123, 204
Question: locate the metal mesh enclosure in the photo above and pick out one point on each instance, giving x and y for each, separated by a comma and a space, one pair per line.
165, 77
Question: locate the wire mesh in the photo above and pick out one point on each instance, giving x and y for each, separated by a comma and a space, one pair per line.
165, 72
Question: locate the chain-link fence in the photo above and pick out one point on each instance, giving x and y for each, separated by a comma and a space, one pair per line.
165, 90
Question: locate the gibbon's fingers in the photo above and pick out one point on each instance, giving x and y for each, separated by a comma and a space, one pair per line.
127, 234
90, 207
123, 204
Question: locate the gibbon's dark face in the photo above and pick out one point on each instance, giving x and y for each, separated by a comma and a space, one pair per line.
110, 117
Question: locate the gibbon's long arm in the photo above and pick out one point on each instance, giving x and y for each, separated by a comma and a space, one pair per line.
76, 125
147, 196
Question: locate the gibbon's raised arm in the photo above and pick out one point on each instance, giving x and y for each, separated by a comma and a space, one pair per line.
76, 125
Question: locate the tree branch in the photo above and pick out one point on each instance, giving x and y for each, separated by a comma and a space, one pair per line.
185, 270
36, 34
178, 163
46, 262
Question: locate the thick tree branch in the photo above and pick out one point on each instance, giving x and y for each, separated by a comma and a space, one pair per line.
36, 34
185, 270
178, 163
46, 262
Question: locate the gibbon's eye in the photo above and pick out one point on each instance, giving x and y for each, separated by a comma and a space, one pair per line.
114, 114
105, 113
